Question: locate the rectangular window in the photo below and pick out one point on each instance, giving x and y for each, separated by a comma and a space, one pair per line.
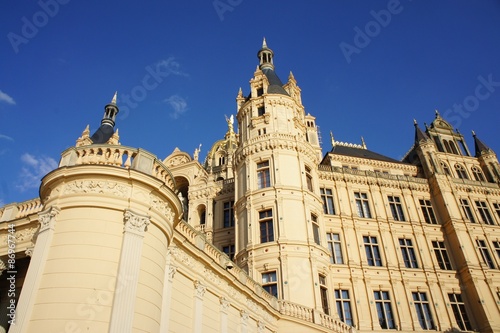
327, 197
260, 91
309, 180
458, 307
496, 244
441, 255
408, 253
384, 309
428, 212
482, 207
323, 290
467, 210
335, 248
263, 175
315, 227
260, 111
396, 208
485, 253
423, 309
343, 302
496, 206
229, 250
270, 283
228, 214
372, 251
266, 226
362, 205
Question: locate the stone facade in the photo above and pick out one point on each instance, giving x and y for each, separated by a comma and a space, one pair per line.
267, 234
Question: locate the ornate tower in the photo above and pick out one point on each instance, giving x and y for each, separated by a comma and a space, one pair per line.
277, 205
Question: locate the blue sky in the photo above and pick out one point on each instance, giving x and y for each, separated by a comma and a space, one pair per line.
366, 68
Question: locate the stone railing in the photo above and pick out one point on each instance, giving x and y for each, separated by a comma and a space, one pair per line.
19, 210
118, 156
367, 173
290, 309
474, 183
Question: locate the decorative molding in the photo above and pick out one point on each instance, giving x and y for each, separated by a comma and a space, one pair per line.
97, 187
199, 289
160, 205
224, 304
135, 223
244, 316
47, 218
171, 272
261, 326
29, 250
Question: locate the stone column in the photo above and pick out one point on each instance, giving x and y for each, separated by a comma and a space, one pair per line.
199, 292
170, 271
244, 321
122, 314
47, 220
224, 307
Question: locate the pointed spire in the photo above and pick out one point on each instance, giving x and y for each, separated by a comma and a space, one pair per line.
113, 100
419, 134
264, 44
363, 143
332, 140
265, 56
479, 146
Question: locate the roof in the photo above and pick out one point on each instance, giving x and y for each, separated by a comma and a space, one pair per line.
479, 146
275, 84
361, 153
103, 134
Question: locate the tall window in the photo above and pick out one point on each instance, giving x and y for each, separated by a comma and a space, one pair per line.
335, 248
323, 291
446, 169
362, 205
384, 309
482, 208
372, 251
270, 283
428, 212
496, 244
458, 307
478, 175
309, 179
423, 309
260, 111
263, 175
408, 252
441, 255
266, 226
496, 206
467, 210
229, 250
343, 302
228, 214
396, 208
327, 197
461, 173
315, 227
485, 253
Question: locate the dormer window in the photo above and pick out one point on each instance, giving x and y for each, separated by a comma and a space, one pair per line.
478, 175
461, 173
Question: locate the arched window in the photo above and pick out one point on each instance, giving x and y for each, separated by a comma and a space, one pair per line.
453, 147
478, 175
461, 173
446, 169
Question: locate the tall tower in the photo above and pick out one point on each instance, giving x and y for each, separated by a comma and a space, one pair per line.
277, 205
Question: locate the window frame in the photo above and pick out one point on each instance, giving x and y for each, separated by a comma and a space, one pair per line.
228, 214
362, 205
266, 220
383, 305
461, 171
372, 251
335, 248
482, 246
428, 211
263, 174
315, 229
441, 253
323, 290
396, 207
343, 305
423, 309
459, 311
467, 210
271, 286
484, 212
230, 250
408, 253
328, 200
477, 173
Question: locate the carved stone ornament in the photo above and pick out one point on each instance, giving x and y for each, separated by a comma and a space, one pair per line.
29, 250
199, 289
135, 223
171, 272
47, 218
260, 326
244, 315
224, 303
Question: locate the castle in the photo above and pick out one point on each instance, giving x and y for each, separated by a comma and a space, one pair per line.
266, 234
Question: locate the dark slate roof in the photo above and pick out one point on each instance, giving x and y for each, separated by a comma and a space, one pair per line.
479, 146
102, 135
275, 84
419, 134
361, 153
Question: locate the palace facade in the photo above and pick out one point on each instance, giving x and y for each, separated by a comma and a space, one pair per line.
267, 234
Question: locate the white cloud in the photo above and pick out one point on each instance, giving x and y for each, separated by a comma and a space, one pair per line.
2, 136
169, 66
33, 169
6, 98
178, 104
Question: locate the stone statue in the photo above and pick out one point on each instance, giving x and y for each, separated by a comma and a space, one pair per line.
197, 152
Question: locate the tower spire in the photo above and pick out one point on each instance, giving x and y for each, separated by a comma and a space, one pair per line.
265, 56
110, 112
